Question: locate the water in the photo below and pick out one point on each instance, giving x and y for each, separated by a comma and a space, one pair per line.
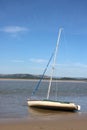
14, 95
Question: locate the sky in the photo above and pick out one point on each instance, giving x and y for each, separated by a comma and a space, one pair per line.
29, 31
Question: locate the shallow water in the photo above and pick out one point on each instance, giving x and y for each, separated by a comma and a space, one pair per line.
14, 95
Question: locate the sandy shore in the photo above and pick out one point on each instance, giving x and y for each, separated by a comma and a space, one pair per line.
77, 122
36, 80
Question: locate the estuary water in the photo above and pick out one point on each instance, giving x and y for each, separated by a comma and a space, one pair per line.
14, 95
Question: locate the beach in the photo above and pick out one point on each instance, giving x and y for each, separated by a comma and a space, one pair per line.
65, 122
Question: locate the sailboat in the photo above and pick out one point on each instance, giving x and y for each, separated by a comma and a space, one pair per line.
52, 104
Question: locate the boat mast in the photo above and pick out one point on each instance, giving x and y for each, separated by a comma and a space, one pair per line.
54, 60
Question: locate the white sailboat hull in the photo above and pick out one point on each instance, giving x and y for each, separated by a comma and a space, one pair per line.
53, 105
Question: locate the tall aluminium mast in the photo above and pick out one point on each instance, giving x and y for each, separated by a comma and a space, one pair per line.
54, 60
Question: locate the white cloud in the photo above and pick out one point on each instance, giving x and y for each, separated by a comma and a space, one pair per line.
81, 65
38, 60
73, 65
71, 70
13, 29
18, 61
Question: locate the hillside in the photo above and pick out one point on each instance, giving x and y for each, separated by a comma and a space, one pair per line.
21, 76
31, 76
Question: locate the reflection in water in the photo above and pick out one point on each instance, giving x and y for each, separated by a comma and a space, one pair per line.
48, 113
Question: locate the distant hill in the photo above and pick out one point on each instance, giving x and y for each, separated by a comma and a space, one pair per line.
21, 76
31, 76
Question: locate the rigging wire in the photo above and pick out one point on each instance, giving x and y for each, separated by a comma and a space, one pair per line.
38, 84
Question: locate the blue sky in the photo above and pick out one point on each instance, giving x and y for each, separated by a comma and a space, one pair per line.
29, 31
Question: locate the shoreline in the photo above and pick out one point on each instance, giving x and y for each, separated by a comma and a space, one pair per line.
63, 122
45, 80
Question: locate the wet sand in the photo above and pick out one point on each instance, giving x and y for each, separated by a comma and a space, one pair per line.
74, 122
